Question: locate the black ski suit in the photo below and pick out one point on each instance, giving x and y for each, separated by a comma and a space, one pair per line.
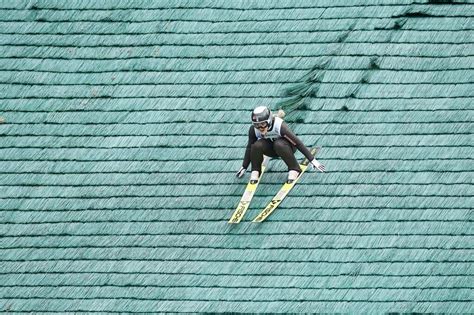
284, 146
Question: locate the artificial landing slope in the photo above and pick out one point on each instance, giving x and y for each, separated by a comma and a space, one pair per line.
123, 124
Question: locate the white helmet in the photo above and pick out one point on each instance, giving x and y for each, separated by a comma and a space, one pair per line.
262, 116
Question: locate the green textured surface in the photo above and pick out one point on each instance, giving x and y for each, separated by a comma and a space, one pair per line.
122, 124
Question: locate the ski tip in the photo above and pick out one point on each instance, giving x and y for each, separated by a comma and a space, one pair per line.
234, 220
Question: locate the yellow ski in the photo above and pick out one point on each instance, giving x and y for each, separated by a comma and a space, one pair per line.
277, 200
247, 196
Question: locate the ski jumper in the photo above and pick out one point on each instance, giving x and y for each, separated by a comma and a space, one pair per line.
279, 141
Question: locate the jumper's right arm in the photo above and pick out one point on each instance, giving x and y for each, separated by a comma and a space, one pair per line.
245, 164
252, 138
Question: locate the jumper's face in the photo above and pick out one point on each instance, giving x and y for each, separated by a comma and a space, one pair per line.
261, 126
263, 130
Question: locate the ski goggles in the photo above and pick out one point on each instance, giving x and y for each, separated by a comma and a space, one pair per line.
260, 125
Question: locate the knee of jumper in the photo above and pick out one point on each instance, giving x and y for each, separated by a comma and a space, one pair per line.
257, 146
